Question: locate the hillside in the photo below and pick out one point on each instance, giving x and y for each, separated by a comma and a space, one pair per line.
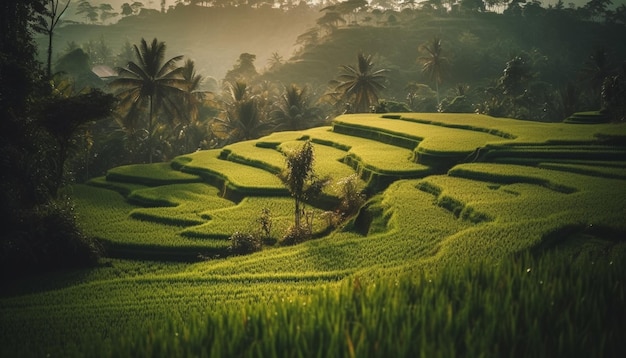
477, 48
548, 167
476, 45
472, 220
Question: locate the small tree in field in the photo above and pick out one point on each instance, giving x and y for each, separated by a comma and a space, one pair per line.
303, 184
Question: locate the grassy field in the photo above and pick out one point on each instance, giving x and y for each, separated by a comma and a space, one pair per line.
487, 237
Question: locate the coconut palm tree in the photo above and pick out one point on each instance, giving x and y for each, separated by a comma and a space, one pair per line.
294, 111
434, 63
191, 131
242, 119
275, 61
149, 84
360, 86
192, 94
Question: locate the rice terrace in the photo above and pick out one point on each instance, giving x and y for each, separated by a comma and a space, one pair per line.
376, 284
457, 191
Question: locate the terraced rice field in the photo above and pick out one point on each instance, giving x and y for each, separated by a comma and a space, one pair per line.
444, 191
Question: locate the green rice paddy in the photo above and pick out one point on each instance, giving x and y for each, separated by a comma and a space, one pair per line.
481, 237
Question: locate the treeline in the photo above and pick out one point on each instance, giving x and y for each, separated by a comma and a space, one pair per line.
39, 122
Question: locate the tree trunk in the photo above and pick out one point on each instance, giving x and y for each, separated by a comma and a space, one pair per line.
297, 215
150, 120
49, 68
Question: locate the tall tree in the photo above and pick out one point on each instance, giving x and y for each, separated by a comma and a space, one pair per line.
191, 129
302, 183
87, 10
150, 84
62, 117
243, 70
241, 120
360, 85
434, 63
106, 12
516, 76
192, 94
19, 88
294, 111
275, 61
47, 22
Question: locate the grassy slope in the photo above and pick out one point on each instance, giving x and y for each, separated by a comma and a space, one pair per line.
416, 227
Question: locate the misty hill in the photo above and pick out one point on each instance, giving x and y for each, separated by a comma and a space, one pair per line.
213, 37
477, 47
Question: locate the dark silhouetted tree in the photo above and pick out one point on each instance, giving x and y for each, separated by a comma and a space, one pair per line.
360, 86
192, 131
243, 70
62, 117
76, 65
47, 22
126, 9
87, 10
516, 76
294, 111
151, 84
275, 61
241, 120
434, 64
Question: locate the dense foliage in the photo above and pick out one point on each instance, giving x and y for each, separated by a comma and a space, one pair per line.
38, 128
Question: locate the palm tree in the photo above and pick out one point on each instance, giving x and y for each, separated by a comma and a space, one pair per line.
193, 96
150, 83
242, 119
275, 61
361, 85
294, 112
191, 128
434, 64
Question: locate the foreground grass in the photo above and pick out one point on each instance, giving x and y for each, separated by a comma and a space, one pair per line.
564, 304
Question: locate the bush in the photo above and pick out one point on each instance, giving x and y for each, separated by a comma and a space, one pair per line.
295, 235
351, 195
243, 243
46, 238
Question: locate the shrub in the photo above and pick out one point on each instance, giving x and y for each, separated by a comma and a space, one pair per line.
351, 195
296, 235
244, 243
265, 226
46, 238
